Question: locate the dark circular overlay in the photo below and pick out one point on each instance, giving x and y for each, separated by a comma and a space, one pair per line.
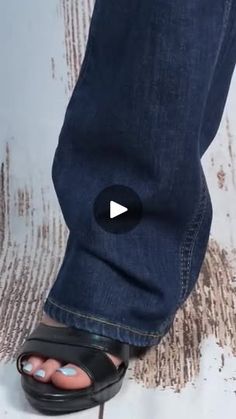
121, 195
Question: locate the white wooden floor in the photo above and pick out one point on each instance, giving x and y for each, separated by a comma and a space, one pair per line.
192, 373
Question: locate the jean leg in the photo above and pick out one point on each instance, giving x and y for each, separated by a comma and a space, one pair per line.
135, 118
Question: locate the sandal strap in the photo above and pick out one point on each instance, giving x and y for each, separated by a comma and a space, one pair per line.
78, 337
67, 347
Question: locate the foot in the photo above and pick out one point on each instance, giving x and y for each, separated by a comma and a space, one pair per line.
65, 376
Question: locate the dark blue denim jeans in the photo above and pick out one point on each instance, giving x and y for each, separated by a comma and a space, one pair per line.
147, 104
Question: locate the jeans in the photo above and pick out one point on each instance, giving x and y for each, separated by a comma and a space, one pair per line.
147, 104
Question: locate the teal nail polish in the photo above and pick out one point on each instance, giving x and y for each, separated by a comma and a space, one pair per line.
67, 371
27, 367
40, 373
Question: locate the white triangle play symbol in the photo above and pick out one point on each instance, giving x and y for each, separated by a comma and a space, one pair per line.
116, 209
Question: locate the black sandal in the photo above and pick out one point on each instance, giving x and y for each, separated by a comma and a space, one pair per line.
85, 349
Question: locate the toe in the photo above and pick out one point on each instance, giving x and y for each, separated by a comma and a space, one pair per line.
31, 364
46, 370
70, 377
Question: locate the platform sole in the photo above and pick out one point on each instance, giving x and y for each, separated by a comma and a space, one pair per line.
63, 406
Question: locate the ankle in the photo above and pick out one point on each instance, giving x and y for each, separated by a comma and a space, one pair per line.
50, 322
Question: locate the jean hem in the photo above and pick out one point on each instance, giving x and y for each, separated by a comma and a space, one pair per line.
103, 327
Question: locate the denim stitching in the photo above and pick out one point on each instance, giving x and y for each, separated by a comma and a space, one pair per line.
227, 10
223, 52
228, 6
195, 224
189, 240
135, 331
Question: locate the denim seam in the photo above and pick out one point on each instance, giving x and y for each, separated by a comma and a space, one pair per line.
223, 52
91, 317
195, 223
228, 6
189, 240
226, 16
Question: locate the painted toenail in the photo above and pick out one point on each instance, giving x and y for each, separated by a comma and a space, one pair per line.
40, 373
67, 371
27, 367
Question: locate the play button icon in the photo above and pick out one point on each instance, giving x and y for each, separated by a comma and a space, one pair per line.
117, 209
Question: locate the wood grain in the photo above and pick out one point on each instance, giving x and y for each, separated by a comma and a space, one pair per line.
77, 16
27, 268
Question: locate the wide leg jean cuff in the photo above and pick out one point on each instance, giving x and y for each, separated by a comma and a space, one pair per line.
102, 326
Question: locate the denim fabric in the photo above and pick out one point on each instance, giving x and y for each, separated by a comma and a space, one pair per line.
147, 104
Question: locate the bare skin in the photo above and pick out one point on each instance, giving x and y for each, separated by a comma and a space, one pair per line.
49, 366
